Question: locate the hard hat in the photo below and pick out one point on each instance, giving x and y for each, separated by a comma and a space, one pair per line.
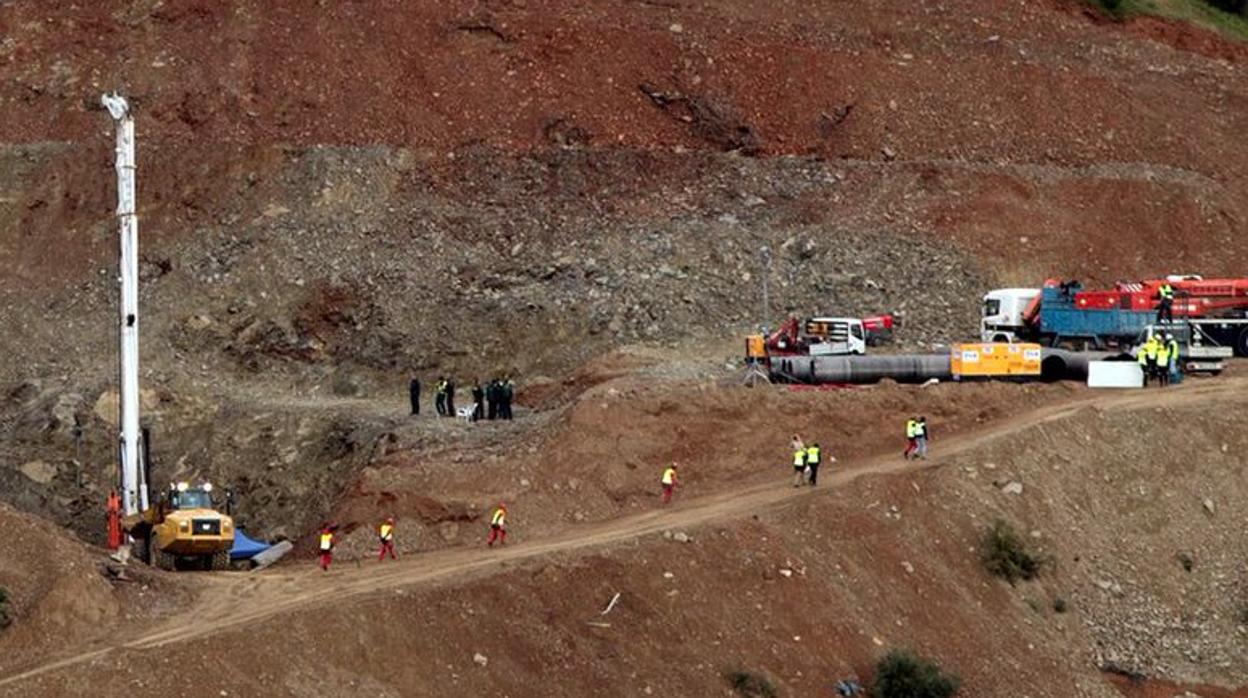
1169, 336
390, 520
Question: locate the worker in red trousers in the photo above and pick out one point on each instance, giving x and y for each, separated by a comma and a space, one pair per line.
669, 482
385, 533
498, 526
327, 546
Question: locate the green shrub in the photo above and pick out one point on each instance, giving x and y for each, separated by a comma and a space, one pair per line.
5, 617
750, 685
903, 674
1059, 605
1007, 557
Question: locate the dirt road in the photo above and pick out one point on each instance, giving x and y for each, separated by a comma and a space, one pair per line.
233, 600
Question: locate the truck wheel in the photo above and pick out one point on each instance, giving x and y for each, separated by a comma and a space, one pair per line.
164, 560
220, 561
1241, 345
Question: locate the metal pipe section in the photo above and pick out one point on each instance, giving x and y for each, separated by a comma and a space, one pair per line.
1056, 364
903, 368
134, 490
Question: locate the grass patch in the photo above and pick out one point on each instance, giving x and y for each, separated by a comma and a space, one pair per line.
748, 684
1204, 13
5, 616
1007, 557
903, 674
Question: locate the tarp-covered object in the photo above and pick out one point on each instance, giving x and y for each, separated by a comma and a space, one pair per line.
244, 547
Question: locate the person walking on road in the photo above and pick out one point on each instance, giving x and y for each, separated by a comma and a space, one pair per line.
413, 393
799, 467
912, 443
814, 457
669, 482
385, 534
327, 546
498, 526
920, 438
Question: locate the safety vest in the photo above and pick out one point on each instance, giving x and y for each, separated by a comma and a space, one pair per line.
812, 455
1173, 345
386, 532
1141, 354
1166, 292
500, 517
327, 542
1163, 354
912, 428
669, 476
799, 458
1151, 349
920, 429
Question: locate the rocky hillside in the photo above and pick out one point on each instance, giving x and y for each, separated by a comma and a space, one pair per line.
333, 198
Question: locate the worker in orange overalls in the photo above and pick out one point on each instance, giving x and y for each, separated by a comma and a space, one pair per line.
669, 482
114, 520
327, 546
385, 532
498, 526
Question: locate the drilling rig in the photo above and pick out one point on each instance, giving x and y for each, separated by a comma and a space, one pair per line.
183, 524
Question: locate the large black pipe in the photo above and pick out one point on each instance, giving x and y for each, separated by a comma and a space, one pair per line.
1055, 364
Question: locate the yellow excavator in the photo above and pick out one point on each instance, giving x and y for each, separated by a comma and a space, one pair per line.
183, 528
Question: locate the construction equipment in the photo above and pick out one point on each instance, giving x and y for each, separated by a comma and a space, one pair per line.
1215, 310
184, 525
993, 360
828, 336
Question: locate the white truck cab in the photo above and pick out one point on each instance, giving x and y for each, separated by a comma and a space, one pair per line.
1003, 310
826, 336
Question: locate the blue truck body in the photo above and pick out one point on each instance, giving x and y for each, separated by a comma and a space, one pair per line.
1062, 320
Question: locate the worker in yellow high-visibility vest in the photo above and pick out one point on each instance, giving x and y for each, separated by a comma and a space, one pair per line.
1165, 303
1150, 351
912, 438
385, 534
669, 482
1141, 355
1163, 363
498, 526
326, 546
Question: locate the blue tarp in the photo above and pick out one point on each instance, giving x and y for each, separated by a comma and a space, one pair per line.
244, 547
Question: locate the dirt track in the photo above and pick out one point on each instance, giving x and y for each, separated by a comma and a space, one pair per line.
234, 600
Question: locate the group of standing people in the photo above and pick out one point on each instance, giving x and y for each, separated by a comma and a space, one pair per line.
1159, 358
493, 401
806, 462
916, 438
